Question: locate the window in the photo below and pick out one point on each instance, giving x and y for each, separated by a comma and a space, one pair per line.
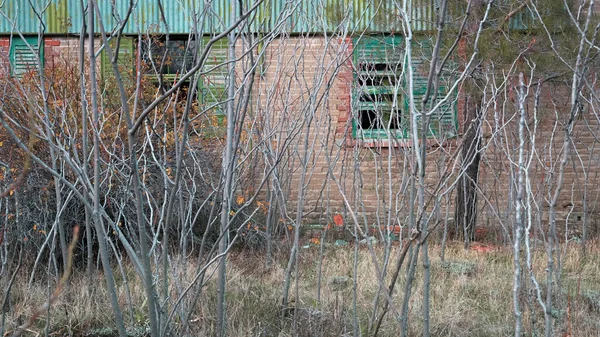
213, 85
176, 57
170, 58
24, 54
380, 101
125, 59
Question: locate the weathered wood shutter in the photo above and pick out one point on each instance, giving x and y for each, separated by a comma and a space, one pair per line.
377, 95
443, 122
125, 59
24, 54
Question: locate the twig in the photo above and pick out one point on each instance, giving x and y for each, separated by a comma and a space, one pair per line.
510, 15
401, 257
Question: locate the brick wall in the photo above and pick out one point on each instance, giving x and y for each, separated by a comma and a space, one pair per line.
373, 176
4, 56
310, 78
59, 52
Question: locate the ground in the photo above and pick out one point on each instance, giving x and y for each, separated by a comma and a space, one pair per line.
471, 295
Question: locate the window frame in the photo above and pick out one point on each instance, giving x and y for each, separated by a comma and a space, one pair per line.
443, 123
211, 93
213, 70
361, 57
153, 56
125, 57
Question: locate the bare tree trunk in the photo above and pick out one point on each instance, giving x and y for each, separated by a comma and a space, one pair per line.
227, 175
84, 145
466, 194
110, 282
518, 227
55, 166
412, 266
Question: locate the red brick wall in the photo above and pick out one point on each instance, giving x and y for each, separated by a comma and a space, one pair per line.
4, 56
374, 177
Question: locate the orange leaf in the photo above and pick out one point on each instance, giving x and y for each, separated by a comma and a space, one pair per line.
240, 200
338, 220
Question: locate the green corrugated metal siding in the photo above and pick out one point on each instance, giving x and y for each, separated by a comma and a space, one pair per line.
309, 16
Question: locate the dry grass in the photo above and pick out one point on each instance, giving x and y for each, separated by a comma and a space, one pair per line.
470, 296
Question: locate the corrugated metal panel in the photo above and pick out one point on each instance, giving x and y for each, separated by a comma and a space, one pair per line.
58, 19
310, 16
220, 15
19, 15
183, 16
423, 14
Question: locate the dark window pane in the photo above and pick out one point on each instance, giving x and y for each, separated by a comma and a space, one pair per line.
169, 58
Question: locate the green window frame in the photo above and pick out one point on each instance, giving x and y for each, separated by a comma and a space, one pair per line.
24, 54
380, 104
178, 58
212, 88
378, 108
443, 123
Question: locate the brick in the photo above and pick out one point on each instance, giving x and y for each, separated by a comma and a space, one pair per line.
51, 43
342, 118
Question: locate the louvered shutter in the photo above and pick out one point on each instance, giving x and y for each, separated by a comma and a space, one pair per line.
213, 85
212, 88
442, 123
125, 59
24, 54
377, 94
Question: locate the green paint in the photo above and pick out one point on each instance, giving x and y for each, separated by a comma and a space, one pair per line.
378, 61
57, 17
22, 57
125, 58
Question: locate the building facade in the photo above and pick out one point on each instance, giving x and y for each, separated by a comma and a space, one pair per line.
341, 68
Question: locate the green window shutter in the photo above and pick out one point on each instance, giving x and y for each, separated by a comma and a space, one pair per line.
212, 88
23, 56
443, 122
377, 95
522, 20
213, 85
125, 59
